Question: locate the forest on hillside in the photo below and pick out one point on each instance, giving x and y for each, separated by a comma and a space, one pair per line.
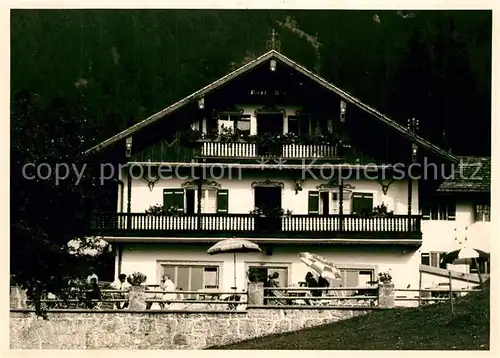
80, 76
126, 65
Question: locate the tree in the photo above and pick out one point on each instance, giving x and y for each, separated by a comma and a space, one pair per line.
47, 211
457, 99
414, 91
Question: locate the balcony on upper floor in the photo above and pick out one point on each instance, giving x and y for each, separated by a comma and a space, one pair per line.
253, 150
390, 229
287, 146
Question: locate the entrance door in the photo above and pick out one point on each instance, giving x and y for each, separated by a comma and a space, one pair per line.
269, 200
269, 124
268, 197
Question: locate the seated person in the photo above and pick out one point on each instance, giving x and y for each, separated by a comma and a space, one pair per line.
312, 283
93, 294
323, 282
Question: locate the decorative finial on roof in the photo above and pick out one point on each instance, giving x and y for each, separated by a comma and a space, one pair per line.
273, 43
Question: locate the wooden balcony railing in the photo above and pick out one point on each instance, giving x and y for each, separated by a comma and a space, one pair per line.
252, 150
252, 226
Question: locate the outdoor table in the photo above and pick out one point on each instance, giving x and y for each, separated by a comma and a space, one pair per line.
296, 293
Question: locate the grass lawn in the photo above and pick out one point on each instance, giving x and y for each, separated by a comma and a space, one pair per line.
430, 327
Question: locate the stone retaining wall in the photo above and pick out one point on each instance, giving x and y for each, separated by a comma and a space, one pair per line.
166, 330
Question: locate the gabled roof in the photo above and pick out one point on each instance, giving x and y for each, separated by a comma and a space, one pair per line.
273, 54
472, 175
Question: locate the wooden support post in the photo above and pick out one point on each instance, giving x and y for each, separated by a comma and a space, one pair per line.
199, 193
478, 272
451, 295
129, 199
341, 201
410, 192
419, 288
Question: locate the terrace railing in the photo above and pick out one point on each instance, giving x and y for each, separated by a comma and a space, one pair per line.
248, 223
178, 300
328, 296
252, 150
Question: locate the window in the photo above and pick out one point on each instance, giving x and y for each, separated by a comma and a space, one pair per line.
173, 198
267, 270
354, 277
242, 126
433, 259
318, 205
317, 127
439, 210
293, 125
212, 200
482, 212
208, 201
193, 277
483, 267
362, 203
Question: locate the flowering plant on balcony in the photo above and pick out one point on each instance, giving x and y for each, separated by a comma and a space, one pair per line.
385, 277
382, 211
174, 211
257, 212
137, 279
156, 209
226, 134
270, 212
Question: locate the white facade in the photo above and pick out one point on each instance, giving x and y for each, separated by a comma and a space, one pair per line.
149, 259
446, 235
241, 194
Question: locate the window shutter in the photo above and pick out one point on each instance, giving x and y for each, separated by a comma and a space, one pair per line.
168, 198
222, 201
313, 203
425, 259
426, 212
451, 211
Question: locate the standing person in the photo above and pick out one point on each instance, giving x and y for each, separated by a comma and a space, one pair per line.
122, 285
168, 286
274, 282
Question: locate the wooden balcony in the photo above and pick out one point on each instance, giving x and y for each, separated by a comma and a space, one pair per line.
253, 150
397, 227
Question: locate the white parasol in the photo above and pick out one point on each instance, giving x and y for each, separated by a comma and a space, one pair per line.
233, 246
322, 266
